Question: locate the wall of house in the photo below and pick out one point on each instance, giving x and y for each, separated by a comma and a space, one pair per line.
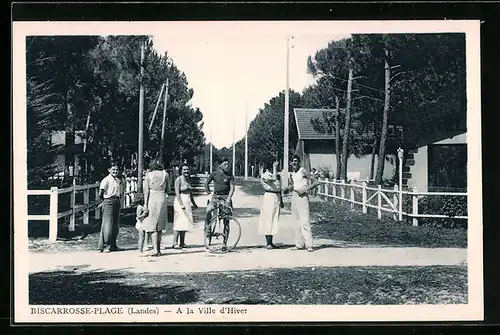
59, 138
419, 171
355, 166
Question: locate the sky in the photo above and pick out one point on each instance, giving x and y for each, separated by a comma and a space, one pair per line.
237, 67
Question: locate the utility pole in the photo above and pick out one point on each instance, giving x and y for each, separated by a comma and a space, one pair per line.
234, 148
162, 144
347, 126
246, 142
287, 112
141, 124
337, 139
211, 145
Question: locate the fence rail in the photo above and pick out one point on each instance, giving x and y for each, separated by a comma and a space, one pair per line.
88, 207
387, 200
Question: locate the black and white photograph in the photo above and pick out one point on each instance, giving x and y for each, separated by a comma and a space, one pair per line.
236, 171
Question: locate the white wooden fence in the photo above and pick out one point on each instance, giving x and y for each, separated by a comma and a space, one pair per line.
87, 207
383, 200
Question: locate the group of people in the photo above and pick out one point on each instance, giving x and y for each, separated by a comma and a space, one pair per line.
300, 183
151, 212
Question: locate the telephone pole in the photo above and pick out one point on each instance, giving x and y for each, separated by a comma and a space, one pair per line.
287, 112
234, 148
246, 142
211, 145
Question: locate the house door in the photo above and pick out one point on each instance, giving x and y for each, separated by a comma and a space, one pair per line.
447, 168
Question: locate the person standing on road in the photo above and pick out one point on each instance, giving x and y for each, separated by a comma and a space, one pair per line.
271, 203
155, 200
301, 182
183, 204
111, 192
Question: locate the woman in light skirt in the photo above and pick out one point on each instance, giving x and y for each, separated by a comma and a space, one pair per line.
183, 204
155, 199
271, 203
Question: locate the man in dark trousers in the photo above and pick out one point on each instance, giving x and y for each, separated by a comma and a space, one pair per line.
111, 192
223, 192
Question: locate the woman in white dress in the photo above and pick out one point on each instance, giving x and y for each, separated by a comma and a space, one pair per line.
155, 200
271, 204
183, 204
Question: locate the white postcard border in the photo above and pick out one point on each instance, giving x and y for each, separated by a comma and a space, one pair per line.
269, 313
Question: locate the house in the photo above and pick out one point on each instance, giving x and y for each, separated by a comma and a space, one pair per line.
317, 149
69, 153
434, 160
438, 163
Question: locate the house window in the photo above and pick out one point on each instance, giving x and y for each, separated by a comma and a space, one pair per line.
447, 167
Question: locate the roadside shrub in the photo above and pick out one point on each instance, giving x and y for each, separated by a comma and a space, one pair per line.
443, 205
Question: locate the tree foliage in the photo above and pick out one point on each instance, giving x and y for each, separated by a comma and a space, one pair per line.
91, 84
427, 85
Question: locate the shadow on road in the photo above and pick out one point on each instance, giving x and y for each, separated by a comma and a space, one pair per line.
70, 287
246, 212
238, 212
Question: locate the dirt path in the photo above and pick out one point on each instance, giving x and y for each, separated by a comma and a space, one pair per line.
250, 253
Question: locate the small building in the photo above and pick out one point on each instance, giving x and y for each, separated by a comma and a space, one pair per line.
68, 160
434, 161
438, 163
317, 149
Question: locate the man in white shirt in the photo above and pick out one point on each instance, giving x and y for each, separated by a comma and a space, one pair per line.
111, 192
301, 182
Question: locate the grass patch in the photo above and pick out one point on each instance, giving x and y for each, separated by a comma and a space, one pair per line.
338, 222
322, 285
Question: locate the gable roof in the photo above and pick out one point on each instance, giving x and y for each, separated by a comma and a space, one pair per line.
305, 129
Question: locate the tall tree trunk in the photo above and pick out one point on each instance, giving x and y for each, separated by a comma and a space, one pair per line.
69, 133
347, 125
337, 138
383, 131
376, 140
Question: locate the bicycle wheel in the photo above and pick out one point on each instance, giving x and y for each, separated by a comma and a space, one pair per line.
224, 234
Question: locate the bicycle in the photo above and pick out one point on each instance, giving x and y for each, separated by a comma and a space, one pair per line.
224, 231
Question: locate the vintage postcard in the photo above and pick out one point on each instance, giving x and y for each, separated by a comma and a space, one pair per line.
232, 171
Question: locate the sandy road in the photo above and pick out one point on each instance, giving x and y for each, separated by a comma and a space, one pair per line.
250, 253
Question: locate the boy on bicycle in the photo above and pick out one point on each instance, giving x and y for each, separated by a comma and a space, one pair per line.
223, 192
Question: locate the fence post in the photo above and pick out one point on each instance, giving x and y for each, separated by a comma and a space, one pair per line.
86, 203
97, 213
395, 202
379, 202
325, 188
128, 190
334, 190
365, 209
73, 203
415, 207
342, 191
352, 197
53, 214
